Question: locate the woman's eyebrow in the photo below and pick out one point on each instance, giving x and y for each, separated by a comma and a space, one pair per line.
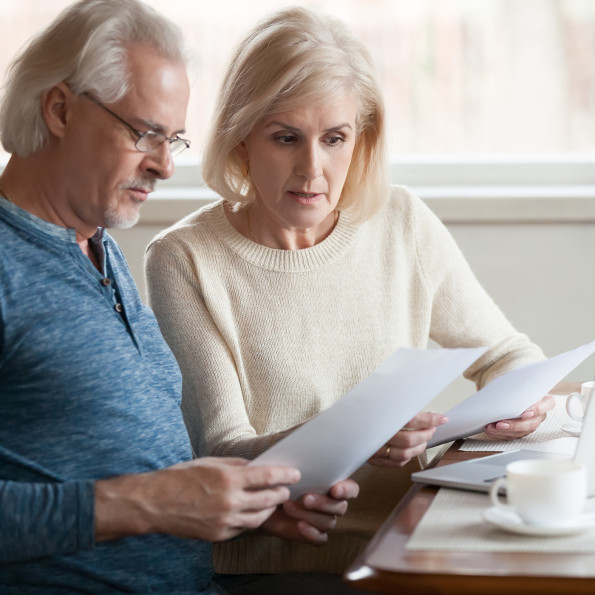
297, 129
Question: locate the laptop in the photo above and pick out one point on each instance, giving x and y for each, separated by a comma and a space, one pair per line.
479, 474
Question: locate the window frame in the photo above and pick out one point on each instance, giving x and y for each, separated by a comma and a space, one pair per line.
462, 189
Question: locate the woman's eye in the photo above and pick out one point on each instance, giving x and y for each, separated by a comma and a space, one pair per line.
334, 140
286, 139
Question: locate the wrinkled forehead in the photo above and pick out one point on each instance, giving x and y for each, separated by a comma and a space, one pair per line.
159, 89
334, 92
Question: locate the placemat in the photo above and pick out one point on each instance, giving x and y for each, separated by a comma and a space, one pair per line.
453, 522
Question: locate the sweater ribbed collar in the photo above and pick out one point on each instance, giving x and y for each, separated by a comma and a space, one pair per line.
289, 261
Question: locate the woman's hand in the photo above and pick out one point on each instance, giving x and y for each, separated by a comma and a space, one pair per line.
409, 442
509, 429
309, 519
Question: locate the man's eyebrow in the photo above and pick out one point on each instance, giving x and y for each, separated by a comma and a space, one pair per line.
153, 126
296, 129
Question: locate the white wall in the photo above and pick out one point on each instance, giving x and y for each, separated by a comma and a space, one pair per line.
540, 276
533, 257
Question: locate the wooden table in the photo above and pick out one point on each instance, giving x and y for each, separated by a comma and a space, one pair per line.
464, 573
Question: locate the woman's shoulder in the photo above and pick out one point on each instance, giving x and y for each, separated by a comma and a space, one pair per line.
405, 206
402, 198
191, 228
401, 207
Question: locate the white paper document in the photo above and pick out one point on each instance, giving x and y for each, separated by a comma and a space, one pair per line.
332, 445
507, 396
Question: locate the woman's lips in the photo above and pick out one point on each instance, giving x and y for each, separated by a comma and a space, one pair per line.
306, 197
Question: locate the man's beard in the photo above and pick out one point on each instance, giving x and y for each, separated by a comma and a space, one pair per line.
115, 219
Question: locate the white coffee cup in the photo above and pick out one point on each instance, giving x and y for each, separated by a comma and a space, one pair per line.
547, 493
577, 402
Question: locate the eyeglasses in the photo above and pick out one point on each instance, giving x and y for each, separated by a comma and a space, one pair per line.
146, 141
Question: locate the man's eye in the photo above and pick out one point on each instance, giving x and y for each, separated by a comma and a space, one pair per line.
151, 134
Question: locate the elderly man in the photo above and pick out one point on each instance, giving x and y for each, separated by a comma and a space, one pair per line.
98, 489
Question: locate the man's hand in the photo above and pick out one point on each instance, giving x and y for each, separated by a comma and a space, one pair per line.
207, 498
409, 442
309, 519
509, 429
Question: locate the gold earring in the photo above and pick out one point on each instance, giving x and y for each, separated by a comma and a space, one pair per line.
245, 169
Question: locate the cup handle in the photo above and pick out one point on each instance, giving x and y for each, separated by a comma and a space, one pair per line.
495, 488
569, 400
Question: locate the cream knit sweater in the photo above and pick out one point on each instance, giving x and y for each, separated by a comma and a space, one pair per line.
268, 338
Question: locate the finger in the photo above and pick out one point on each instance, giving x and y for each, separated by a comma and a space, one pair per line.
403, 445
547, 403
397, 457
322, 521
529, 420
262, 499
344, 490
237, 522
312, 534
426, 419
511, 429
407, 439
324, 504
251, 519
260, 476
282, 525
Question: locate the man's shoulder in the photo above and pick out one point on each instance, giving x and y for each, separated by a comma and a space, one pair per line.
16, 247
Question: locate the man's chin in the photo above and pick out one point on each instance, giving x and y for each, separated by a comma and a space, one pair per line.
117, 220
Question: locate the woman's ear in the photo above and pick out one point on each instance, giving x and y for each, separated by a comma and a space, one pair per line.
55, 106
242, 152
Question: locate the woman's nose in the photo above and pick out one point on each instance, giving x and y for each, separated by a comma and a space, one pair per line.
309, 165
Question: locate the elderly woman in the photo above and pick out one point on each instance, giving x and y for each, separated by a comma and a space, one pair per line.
309, 272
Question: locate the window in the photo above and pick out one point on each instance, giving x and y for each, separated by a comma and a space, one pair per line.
492, 79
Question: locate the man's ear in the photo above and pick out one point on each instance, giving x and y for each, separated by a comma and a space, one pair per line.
55, 105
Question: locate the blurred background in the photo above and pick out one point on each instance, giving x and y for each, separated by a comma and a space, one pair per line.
460, 76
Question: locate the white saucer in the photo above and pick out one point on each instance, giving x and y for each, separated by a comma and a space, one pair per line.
507, 519
574, 428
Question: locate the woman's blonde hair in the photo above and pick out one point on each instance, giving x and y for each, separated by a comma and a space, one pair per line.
292, 58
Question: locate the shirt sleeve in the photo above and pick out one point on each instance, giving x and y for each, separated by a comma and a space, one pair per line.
45, 519
463, 314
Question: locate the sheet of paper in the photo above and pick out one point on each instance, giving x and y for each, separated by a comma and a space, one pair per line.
332, 445
507, 396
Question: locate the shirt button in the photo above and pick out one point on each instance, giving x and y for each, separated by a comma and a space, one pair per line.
107, 282
118, 308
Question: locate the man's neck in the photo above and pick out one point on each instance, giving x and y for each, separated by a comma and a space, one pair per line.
25, 184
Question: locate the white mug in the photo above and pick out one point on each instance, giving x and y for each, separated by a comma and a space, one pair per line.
547, 493
576, 402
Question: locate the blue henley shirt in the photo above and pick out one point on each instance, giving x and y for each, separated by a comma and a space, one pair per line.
88, 390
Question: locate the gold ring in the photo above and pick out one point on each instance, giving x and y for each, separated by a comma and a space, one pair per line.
387, 453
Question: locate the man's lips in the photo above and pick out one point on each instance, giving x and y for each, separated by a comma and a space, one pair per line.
141, 193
